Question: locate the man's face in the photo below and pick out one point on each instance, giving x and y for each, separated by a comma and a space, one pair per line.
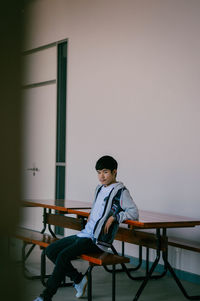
106, 176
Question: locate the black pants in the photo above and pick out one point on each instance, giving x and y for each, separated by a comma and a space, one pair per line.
61, 253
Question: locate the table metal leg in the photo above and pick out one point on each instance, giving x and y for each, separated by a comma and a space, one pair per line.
149, 274
113, 282
172, 272
50, 229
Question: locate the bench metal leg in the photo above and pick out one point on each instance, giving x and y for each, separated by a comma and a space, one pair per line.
89, 291
127, 269
89, 272
24, 258
24, 254
113, 282
123, 248
43, 268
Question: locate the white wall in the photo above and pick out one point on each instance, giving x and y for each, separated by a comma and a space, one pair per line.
133, 92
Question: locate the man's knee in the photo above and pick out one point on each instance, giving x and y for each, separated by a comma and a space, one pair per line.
65, 256
50, 252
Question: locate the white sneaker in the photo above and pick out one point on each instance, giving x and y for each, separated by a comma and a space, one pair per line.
81, 287
38, 299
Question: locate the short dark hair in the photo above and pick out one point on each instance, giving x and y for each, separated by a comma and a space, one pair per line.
107, 162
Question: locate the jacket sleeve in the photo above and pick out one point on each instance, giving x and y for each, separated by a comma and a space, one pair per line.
129, 208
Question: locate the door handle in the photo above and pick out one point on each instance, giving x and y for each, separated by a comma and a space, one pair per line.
34, 169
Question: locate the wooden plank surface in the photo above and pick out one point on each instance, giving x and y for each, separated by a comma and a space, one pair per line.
64, 221
60, 205
151, 219
104, 258
34, 237
141, 238
184, 244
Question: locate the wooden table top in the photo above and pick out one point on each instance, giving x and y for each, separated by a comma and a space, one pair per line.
147, 219
60, 205
151, 219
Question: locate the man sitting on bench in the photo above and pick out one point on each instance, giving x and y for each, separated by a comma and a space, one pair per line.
112, 205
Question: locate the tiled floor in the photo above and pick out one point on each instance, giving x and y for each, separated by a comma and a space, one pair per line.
164, 289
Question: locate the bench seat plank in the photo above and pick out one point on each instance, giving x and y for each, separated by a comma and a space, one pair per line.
43, 240
104, 258
34, 237
184, 244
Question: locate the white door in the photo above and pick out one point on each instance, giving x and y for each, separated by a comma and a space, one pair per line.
38, 131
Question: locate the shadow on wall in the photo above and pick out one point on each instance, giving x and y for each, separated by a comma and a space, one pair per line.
11, 38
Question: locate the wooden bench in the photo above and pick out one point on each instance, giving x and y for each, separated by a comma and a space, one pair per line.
95, 259
33, 238
184, 244
103, 259
99, 259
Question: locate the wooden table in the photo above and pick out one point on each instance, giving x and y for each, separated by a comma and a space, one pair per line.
60, 207
160, 222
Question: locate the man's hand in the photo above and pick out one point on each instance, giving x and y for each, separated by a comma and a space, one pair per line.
108, 224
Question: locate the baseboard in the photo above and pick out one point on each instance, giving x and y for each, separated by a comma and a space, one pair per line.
182, 275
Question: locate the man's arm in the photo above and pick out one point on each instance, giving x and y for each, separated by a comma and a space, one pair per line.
122, 209
109, 222
129, 208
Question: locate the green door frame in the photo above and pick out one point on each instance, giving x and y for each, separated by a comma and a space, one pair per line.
61, 124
